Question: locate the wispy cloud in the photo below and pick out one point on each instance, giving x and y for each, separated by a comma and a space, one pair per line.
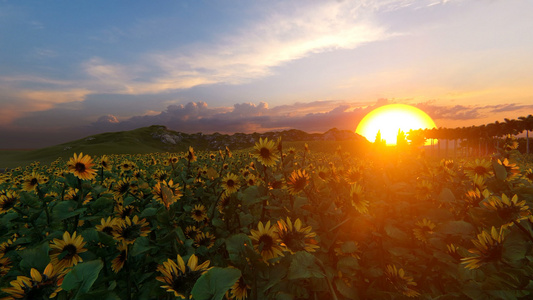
251, 53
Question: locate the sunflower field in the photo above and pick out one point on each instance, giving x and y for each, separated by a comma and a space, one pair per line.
269, 223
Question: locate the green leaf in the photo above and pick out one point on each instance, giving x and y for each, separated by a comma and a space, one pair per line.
349, 247
213, 284
148, 212
100, 295
141, 245
67, 209
460, 228
446, 195
348, 264
217, 222
499, 171
236, 245
102, 204
82, 276
395, 232
106, 239
250, 195
35, 258
6, 219
347, 291
303, 265
514, 247
245, 219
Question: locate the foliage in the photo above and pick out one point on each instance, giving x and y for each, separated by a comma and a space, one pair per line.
389, 225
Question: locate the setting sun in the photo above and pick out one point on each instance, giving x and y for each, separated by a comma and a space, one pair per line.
390, 118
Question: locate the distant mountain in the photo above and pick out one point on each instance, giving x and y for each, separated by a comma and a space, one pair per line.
157, 138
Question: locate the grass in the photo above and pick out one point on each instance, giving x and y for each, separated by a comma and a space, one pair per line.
138, 141
141, 141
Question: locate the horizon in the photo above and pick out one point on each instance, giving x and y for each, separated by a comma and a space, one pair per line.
256, 67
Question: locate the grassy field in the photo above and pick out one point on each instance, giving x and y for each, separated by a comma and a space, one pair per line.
140, 141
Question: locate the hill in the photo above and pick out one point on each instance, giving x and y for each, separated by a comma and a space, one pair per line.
157, 138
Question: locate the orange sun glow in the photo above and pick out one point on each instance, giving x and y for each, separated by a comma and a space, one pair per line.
388, 119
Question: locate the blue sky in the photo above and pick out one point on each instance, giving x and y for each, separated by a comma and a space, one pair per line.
73, 68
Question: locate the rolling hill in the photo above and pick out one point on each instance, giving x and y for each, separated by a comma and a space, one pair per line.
157, 138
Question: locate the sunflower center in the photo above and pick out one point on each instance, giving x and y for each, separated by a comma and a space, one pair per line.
266, 241
33, 181
230, 183
7, 204
198, 213
69, 250
294, 240
480, 170
184, 283
264, 152
79, 167
108, 230
132, 232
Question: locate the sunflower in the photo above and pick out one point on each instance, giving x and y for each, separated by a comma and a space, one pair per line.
297, 181
509, 210
239, 290
266, 241
265, 152
118, 263
5, 265
489, 248
31, 181
126, 166
81, 166
204, 239
452, 250
191, 157
479, 182
401, 282
354, 174
108, 225
322, 172
358, 198
123, 186
481, 168
528, 175
167, 192
65, 253
104, 163
423, 229
199, 213
125, 211
230, 183
424, 190
513, 170
191, 232
131, 229
179, 278
39, 286
8, 201
160, 175
295, 237
474, 197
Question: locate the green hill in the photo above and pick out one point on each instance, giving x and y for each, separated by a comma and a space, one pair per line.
158, 138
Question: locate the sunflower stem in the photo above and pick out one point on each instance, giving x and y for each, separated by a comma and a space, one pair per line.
524, 230
330, 286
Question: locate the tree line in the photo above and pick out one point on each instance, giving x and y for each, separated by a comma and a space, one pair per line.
480, 140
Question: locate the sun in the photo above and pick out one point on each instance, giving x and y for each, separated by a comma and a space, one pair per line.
388, 119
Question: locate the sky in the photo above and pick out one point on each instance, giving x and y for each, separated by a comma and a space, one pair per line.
69, 69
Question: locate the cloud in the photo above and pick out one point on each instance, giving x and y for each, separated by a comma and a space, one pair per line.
287, 33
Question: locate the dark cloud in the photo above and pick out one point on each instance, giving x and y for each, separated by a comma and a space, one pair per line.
510, 107
456, 112
54, 126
